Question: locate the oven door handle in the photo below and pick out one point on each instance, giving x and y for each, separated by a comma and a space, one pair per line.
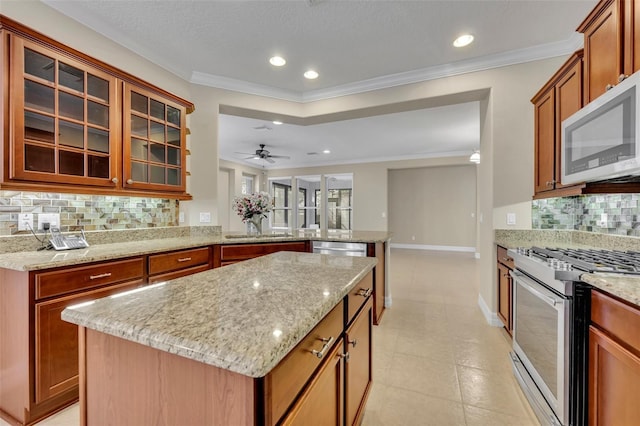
523, 280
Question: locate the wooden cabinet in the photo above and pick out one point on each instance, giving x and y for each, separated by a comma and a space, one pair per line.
358, 370
167, 266
505, 264
154, 141
604, 59
56, 344
226, 254
614, 362
73, 123
65, 120
321, 402
611, 45
39, 361
556, 101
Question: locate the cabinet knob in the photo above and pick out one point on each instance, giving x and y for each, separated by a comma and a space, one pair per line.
345, 356
115, 180
364, 292
551, 182
608, 87
353, 342
129, 181
622, 77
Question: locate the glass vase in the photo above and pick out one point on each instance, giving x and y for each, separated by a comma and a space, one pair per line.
256, 224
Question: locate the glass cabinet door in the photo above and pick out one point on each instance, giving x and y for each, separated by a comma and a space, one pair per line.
154, 141
64, 118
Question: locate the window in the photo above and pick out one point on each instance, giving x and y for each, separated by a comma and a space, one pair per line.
307, 210
247, 184
282, 211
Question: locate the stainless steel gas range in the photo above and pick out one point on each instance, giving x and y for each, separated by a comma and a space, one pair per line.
550, 332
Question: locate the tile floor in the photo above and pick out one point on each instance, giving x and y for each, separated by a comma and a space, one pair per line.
436, 361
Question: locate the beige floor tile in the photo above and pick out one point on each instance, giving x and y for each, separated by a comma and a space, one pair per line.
402, 407
476, 416
491, 390
424, 376
432, 347
478, 355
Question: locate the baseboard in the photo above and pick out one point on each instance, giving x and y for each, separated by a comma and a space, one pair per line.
430, 247
387, 302
491, 317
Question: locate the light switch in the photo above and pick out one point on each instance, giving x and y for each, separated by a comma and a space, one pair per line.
205, 217
511, 218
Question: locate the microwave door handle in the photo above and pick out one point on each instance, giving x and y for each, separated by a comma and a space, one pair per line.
523, 282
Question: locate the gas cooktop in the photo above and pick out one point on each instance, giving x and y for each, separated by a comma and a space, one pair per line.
590, 260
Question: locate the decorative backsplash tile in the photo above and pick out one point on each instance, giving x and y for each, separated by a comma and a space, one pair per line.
616, 214
88, 212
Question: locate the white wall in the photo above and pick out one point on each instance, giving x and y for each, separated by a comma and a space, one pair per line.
434, 206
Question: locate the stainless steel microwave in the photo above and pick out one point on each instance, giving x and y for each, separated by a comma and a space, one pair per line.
602, 140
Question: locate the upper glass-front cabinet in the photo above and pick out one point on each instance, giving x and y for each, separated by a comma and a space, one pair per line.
154, 141
65, 121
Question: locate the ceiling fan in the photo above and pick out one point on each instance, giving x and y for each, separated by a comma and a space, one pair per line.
263, 154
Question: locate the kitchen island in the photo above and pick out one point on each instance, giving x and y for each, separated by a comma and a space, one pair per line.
244, 344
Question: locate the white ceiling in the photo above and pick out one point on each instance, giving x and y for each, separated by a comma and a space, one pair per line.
356, 46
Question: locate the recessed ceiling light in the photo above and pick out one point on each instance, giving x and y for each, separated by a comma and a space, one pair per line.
463, 40
326, 151
311, 75
277, 61
277, 122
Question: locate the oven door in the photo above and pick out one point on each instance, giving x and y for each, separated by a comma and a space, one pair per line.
540, 341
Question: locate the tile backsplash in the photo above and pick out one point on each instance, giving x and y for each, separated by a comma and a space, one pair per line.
88, 212
617, 214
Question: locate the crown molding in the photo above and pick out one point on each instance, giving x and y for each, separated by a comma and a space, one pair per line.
514, 57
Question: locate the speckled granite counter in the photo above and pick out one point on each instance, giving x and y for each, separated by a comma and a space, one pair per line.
38, 260
244, 317
625, 287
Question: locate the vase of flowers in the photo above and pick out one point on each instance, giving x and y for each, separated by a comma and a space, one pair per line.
253, 208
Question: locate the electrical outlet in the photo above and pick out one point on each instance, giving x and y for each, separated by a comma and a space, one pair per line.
53, 219
603, 220
205, 217
25, 221
413, 238
181, 217
511, 218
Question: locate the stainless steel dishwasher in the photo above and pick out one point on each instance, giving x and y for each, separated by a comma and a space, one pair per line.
340, 249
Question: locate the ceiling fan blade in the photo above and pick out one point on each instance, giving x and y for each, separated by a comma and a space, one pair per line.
252, 157
280, 156
269, 159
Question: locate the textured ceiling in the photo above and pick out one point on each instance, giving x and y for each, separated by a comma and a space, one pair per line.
355, 46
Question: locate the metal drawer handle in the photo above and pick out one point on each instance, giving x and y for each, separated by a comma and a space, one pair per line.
354, 342
95, 277
184, 259
327, 344
364, 292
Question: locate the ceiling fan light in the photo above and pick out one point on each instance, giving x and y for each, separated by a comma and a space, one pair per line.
475, 157
277, 61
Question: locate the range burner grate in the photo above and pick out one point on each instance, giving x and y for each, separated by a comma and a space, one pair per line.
593, 260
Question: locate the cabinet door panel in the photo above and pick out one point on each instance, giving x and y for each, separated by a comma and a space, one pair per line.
545, 142
61, 108
568, 101
504, 296
614, 382
56, 343
321, 402
603, 51
358, 366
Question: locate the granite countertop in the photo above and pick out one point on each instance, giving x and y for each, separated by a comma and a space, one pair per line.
626, 287
244, 317
38, 260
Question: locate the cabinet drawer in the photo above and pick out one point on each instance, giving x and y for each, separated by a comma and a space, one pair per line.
167, 262
249, 251
76, 279
358, 296
616, 318
504, 258
287, 379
